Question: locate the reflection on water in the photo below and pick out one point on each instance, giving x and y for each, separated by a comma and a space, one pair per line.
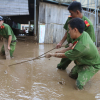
39, 79
97, 97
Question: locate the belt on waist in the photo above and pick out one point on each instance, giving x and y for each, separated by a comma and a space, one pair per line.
13, 41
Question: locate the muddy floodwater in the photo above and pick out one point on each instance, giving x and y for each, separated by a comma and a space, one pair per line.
39, 79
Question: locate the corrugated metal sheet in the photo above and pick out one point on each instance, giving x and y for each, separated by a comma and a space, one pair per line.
99, 3
83, 2
62, 1
54, 18
14, 7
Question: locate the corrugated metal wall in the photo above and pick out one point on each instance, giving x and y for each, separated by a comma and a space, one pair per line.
99, 3
63, 1
54, 17
98, 38
13, 7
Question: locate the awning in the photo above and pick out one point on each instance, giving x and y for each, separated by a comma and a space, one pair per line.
14, 7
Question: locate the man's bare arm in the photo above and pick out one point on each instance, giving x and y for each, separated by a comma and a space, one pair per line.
58, 55
62, 41
65, 49
9, 41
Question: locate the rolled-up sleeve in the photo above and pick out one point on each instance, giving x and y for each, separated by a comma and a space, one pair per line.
73, 54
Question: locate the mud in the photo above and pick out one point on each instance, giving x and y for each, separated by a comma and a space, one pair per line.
40, 79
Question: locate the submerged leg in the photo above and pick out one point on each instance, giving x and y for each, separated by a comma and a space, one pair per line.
64, 63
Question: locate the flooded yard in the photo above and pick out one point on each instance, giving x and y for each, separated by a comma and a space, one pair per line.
39, 79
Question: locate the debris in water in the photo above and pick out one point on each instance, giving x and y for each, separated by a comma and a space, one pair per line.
5, 72
62, 83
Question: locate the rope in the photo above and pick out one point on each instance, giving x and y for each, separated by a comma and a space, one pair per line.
33, 58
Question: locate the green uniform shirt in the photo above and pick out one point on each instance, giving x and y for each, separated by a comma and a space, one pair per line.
88, 29
84, 52
7, 31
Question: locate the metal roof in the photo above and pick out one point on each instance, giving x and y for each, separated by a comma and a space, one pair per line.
14, 7
85, 3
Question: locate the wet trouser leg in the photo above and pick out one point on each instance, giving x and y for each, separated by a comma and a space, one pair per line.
2, 50
83, 74
64, 63
12, 49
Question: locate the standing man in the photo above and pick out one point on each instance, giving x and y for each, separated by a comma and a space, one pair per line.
82, 51
75, 10
6, 32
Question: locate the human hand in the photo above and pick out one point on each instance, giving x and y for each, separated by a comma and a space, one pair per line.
8, 47
48, 55
70, 45
58, 46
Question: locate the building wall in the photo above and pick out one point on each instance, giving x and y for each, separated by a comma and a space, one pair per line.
85, 3
89, 3
53, 17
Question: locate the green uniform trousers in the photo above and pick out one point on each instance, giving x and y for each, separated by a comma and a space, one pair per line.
83, 74
64, 62
12, 49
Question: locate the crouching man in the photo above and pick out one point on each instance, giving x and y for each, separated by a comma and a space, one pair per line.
6, 32
82, 51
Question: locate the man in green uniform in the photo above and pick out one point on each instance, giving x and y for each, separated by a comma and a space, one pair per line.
76, 11
6, 32
82, 51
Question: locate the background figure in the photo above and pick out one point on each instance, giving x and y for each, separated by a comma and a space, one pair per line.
75, 10
6, 32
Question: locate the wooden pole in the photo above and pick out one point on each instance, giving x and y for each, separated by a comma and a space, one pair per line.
7, 53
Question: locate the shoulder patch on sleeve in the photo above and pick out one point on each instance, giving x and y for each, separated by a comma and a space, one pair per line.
2, 27
74, 44
69, 16
86, 23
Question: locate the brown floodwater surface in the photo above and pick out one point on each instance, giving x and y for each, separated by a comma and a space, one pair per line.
39, 79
